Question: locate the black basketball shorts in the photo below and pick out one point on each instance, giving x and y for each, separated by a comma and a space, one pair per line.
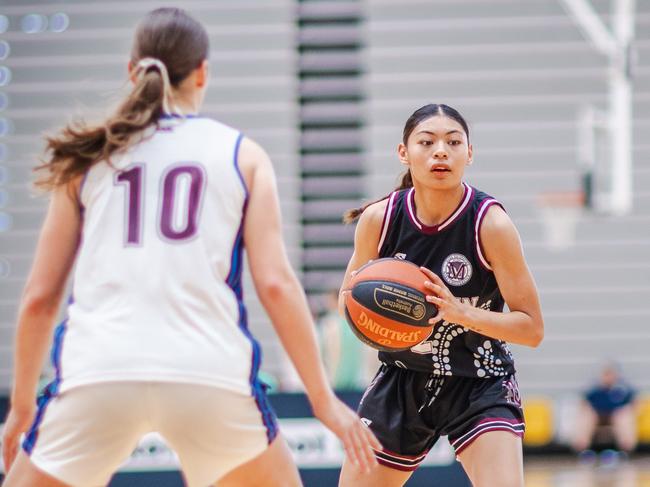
408, 411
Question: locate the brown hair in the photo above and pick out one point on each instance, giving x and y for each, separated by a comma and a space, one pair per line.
351, 215
417, 117
168, 46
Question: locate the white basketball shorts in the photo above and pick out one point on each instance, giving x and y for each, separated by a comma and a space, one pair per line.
83, 435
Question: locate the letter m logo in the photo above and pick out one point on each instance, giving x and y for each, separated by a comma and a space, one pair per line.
457, 270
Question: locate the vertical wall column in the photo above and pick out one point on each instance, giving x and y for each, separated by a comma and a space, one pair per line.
331, 138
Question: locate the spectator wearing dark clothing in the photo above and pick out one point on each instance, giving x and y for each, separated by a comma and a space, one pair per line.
608, 404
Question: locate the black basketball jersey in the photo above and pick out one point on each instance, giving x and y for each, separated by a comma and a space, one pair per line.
451, 250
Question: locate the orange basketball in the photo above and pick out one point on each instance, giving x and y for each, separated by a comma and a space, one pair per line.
386, 307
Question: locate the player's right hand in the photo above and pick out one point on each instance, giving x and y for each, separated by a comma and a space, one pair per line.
18, 420
358, 441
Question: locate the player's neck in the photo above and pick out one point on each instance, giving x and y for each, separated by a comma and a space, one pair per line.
187, 103
434, 207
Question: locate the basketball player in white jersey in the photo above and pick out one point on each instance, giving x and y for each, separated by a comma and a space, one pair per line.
154, 206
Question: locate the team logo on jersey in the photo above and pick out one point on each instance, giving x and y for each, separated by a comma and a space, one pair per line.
456, 270
512, 392
400, 255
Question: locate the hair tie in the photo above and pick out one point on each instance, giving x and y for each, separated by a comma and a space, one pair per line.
147, 62
143, 66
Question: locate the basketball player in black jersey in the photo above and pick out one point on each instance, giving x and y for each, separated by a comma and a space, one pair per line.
460, 382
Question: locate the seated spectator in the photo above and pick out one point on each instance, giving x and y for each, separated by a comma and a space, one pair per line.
610, 406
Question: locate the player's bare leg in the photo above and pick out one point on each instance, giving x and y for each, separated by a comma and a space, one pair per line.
585, 426
272, 468
624, 427
380, 476
494, 458
23, 473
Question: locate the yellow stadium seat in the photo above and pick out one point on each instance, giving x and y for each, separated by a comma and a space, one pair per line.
643, 420
538, 412
538, 478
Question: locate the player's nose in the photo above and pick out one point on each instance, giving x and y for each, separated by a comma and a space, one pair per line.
440, 154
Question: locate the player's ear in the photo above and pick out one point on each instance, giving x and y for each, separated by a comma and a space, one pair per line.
202, 74
470, 152
403, 154
131, 70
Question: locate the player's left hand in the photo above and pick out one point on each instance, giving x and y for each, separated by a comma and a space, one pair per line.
18, 421
449, 306
358, 441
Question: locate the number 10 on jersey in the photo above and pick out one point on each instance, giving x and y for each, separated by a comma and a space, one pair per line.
181, 188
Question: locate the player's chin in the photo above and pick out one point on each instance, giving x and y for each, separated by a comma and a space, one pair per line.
445, 180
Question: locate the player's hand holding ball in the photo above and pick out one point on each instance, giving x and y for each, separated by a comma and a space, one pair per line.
450, 308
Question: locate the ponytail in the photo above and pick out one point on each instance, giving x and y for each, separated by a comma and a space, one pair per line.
79, 146
351, 215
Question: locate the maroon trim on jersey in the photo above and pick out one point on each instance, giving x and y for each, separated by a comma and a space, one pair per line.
396, 466
388, 214
480, 215
458, 212
406, 463
514, 426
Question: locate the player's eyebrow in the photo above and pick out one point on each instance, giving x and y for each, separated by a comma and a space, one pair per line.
454, 131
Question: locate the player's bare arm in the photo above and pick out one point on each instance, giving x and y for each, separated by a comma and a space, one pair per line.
39, 306
284, 300
366, 241
523, 324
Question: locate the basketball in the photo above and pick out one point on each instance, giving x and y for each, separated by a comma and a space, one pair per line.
386, 307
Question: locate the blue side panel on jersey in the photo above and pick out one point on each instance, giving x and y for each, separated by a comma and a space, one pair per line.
240, 137
51, 390
32, 435
234, 276
55, 354
234, 281
268, 415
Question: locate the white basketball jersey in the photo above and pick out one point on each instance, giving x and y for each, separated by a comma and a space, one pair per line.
157, 289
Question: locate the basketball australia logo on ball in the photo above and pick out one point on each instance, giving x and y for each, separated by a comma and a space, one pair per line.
387, 307
456, 270
399, 300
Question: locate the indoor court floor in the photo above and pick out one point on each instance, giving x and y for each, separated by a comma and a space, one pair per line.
563, 472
